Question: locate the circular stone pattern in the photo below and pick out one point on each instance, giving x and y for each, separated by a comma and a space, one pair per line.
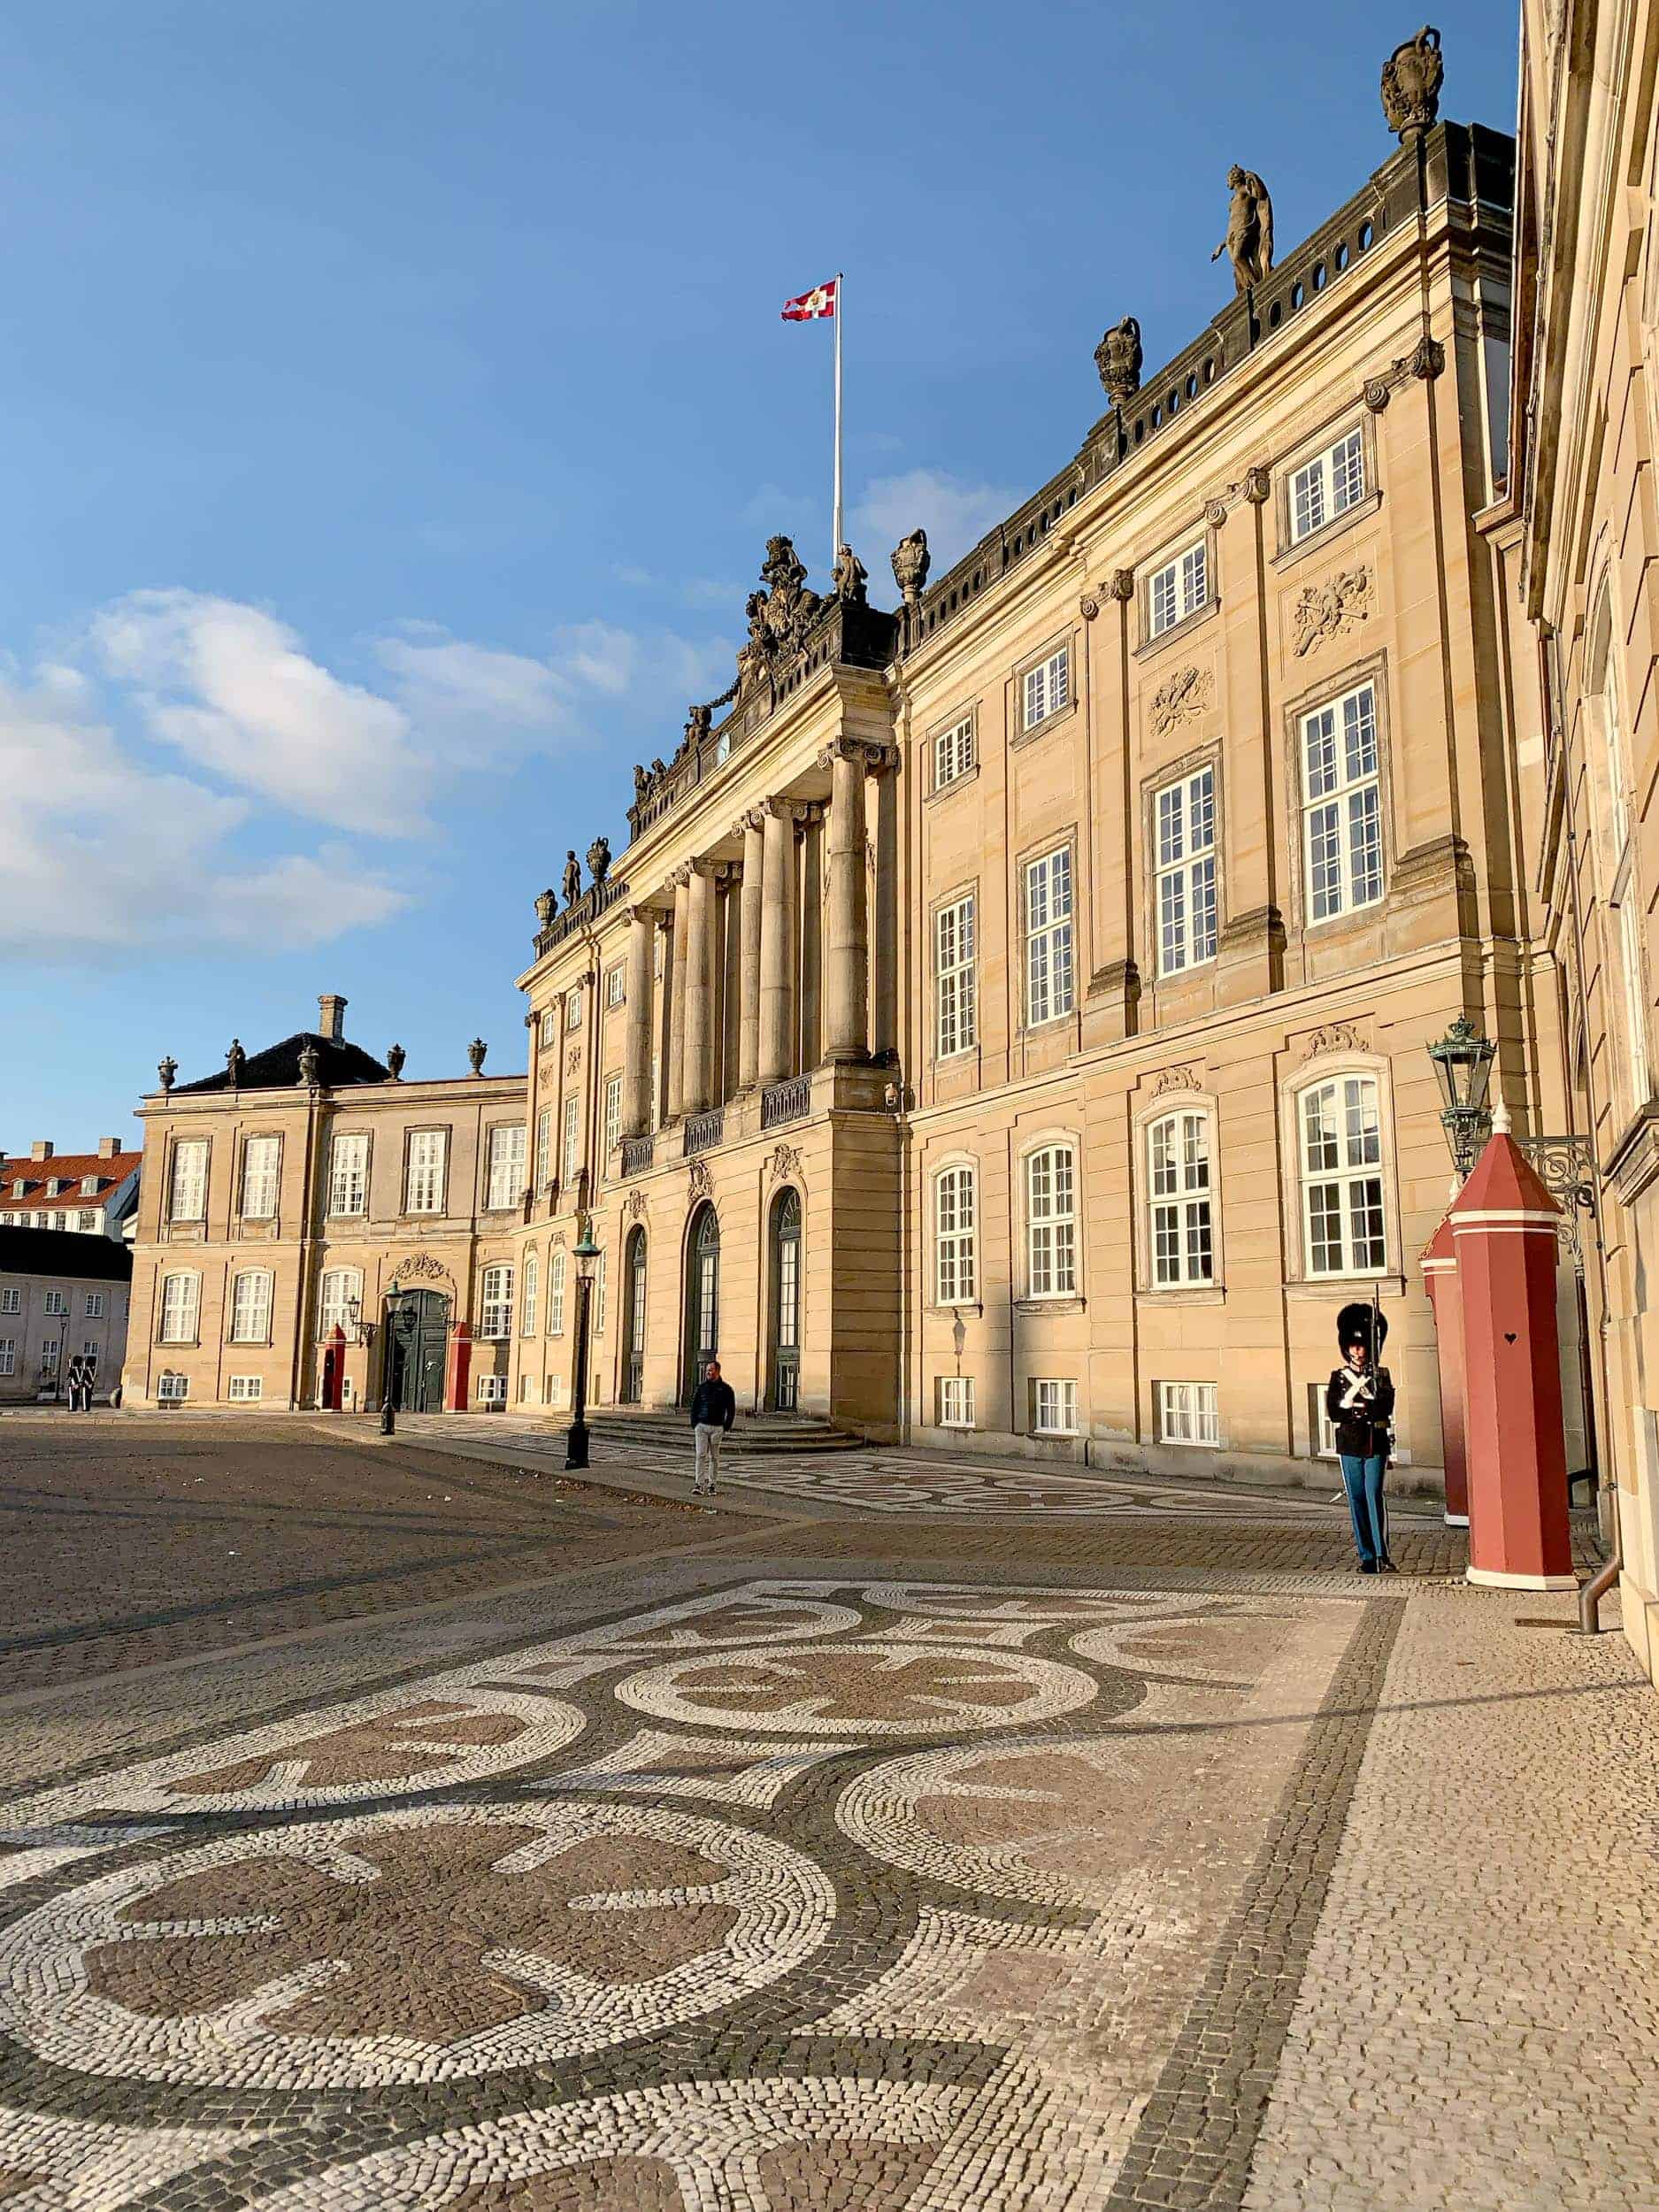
860, 1689
408, 1947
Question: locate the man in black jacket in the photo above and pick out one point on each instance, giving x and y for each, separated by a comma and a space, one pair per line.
1360, 1401
713, 1410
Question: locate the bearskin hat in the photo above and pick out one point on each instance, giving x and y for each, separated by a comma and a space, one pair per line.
1354, 1326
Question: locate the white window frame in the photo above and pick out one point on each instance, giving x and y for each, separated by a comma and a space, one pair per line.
555, 1274
1045, 688
252, 1291
504, 1187
956, 1408
599, 1294
494, 1301
426, 1171
532, 1291
955, 1028
8, 1356
613, 1113
244, 1389
1180, 1201
617, 985
349, 1172
492, 1390
543, 1147
1049, 1177
1184, 871
340, 1289
94, 1306
1052, 1405
572, 1010
186, 1186
1327, 486
261, 1175
1178, 588
178, 1315
171, 1389
1327, 1194
954, 752
1047, 905
1187, 1413
549, 1028
57, 1304
1341, 803
12, 1299
956, 1233
572, 1139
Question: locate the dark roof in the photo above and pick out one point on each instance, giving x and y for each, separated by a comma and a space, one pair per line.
70, 1168
63, 1252
278, 1067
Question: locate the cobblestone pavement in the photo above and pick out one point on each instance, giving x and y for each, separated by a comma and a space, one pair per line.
845, 1863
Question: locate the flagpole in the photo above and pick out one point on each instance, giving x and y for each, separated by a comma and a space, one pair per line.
840, 293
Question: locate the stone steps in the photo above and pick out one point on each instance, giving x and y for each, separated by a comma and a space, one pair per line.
753, 1435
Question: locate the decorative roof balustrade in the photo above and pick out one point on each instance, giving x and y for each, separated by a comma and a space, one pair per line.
597, 899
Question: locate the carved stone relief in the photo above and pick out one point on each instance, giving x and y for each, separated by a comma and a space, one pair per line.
1181, 697
1326, 610
1336, 1037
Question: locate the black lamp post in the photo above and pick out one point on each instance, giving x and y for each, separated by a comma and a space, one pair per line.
388, 1359
1463, 1066
587, 1260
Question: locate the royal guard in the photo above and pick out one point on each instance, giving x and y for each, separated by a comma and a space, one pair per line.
1360, 1400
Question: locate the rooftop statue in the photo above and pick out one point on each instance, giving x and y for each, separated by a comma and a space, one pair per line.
1117, 357
1248, 243
851, 577
1411, 80
912, 561
572, 880
599, 859
790, 607
235, 1060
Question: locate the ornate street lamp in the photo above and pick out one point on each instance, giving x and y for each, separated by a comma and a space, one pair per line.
1463, 1066
395, 1320
587, 1260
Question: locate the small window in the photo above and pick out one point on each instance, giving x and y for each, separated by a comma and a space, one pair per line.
1051, 1222
955, 1402
85, 1221
492, 1390
955, 1236
90, 1349
617, 985
953, 976
49, 1356
1327, 486
1186, 1413
1339, 1124
8, 1356
494, 1312
1177, 589
613, 1113
251, 1307
244, 1388
1186, 871
504, 1182
550, 1029
1321, 1427
1048, 903
952, 752
348, 1174
1054, 1408
423, 1183
173, 1389
187, 1197
94, 1305
573, 1009
1047, 689
1342, 805
260, 1159
556, 1294
57, 1301
10, 1299
1178, 1176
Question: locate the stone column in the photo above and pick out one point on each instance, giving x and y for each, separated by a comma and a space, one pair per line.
846, 930
677, 994
636, 1067
809, 891
777, 943
888, 951
699, 1051
752, 901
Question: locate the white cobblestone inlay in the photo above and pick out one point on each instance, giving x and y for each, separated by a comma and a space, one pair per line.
52, 2164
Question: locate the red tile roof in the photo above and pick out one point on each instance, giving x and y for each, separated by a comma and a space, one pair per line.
69, 1168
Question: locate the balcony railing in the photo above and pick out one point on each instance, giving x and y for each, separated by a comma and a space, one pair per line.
785, 1102
637, 1153
703, 1131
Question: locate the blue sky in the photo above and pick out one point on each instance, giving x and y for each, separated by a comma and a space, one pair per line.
394, 406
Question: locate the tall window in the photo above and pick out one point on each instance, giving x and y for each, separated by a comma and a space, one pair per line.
1054, 1408
506, 1181
187, 1200
339, 1301
1049, 937
955, 1402
613, 1113
494, 1304
1635, 996
952, 752
956, 1262
1051, 1222
57, 1301
1341, 1128
94, 1305
1046, 688
1342, 805
616, 984
599, 1294
532, 1283
260, 1157
572, 1137
1177, 589
179, 1298
251, 1307
428, 1158
550, 1029
543, 1147
1624, 893
1186, 871
1187, 1413
953, 975
348, 1174
573, 1009
1327, 486
8, 1356
1178, 1149
10, 1299
556, 1294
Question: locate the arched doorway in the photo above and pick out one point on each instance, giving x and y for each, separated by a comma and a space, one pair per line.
633, 1318
702, 1294
417, 1341
784, 1387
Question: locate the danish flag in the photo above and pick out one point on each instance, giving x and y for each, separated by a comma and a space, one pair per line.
811, 305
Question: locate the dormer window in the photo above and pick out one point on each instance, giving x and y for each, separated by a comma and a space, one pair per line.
89, 1187
54, 1186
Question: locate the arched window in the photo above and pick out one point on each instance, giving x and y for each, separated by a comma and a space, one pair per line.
633, 1318
1051, 1222
181, 1299
340, 1301
955, 1235
1339, 1125
555, 1292
251, 1307
494, 1304
532, 1283
1180, 1240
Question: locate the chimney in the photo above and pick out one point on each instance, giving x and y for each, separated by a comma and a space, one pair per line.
108, 1147
331, 1016
41, 1150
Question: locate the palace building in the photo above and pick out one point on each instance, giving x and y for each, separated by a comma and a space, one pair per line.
1006, 1025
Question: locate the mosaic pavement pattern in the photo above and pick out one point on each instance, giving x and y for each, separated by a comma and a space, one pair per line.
803, 1893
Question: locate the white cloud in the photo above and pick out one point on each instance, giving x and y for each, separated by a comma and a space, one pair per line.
956, 515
